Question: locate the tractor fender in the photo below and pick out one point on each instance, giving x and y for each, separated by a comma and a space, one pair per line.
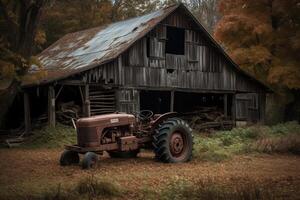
162, 118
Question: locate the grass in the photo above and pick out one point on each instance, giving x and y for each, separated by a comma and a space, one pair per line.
281, 138
87, 188
234, 189
51, 137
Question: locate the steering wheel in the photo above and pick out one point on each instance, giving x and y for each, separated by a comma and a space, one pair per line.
145, 114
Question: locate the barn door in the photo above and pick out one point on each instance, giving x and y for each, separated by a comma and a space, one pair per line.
128, 100
102, 101
247, 107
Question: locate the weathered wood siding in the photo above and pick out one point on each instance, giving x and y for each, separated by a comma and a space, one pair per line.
146, 64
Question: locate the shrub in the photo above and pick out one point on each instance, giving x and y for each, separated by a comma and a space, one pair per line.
286, 144
281, 138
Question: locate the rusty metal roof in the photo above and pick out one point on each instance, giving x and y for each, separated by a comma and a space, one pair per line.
80, 51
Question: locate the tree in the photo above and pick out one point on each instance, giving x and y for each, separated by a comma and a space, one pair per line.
263, 37
206, 12
18, 36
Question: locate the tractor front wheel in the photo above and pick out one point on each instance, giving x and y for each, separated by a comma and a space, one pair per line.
68, 158
89, 160
173, 141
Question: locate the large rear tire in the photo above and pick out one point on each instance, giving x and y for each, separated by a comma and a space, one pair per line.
69, 158
123, 154
89, 160
173, 141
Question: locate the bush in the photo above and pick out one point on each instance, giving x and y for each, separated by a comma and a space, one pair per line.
281, 138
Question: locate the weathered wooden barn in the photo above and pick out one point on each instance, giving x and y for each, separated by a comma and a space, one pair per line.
163, 61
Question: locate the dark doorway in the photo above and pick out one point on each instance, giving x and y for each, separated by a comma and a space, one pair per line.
156, 101
189, 102
175, 40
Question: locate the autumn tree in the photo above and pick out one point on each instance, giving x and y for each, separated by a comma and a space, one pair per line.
263, 37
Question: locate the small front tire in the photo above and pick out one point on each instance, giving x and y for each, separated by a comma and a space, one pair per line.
89, 160
69, 158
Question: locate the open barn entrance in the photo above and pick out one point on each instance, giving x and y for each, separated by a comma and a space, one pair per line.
156, 101
204, 110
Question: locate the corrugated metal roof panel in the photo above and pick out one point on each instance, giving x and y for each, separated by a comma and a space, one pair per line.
80, 51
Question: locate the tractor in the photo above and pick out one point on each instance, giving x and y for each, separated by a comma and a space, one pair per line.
123, 135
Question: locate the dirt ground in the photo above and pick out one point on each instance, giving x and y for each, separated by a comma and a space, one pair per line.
23, 171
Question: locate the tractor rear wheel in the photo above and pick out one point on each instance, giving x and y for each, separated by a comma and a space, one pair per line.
89, 160
68, 158
173, 141
123, 154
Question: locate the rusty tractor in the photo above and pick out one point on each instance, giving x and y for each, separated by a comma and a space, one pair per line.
123, 135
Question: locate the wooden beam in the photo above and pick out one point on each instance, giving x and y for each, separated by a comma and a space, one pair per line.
87, 103
262, 107
172, 101
233, 108
226, 105
51, 106
27, 119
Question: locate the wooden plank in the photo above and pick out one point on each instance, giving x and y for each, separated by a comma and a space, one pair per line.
51, 106
225, 105
233, 108
27, 119
262, 107
172, 101
87, 107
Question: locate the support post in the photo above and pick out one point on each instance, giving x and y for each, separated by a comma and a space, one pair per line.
51, 106
172, 101
233, 108
87, 104
226, 105
27, 119
262, 107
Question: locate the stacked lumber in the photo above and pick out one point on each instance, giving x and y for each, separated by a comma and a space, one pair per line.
67, 111
102, 101
203, 118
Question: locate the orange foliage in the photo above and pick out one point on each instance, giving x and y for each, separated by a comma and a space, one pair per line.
263, 37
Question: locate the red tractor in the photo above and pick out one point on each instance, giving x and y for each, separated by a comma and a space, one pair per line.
123, 135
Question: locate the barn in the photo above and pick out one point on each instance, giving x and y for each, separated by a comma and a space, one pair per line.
163, 61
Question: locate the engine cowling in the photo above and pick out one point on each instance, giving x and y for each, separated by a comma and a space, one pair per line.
90, 129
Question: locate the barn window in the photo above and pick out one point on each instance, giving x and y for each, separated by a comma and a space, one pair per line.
175, 40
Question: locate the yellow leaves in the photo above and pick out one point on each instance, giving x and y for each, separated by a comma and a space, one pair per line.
288, 75
35, 77
7, 70
254, 55
40, 37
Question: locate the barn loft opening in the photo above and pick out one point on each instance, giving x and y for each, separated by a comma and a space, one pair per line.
156, 101
175, 40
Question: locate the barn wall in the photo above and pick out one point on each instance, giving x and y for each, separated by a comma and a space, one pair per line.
147, 65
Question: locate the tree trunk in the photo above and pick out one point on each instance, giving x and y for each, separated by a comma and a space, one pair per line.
7, 97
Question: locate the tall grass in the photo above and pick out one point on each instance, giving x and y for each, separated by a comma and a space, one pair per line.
281, 138
87, 188
234, 189
51, 137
